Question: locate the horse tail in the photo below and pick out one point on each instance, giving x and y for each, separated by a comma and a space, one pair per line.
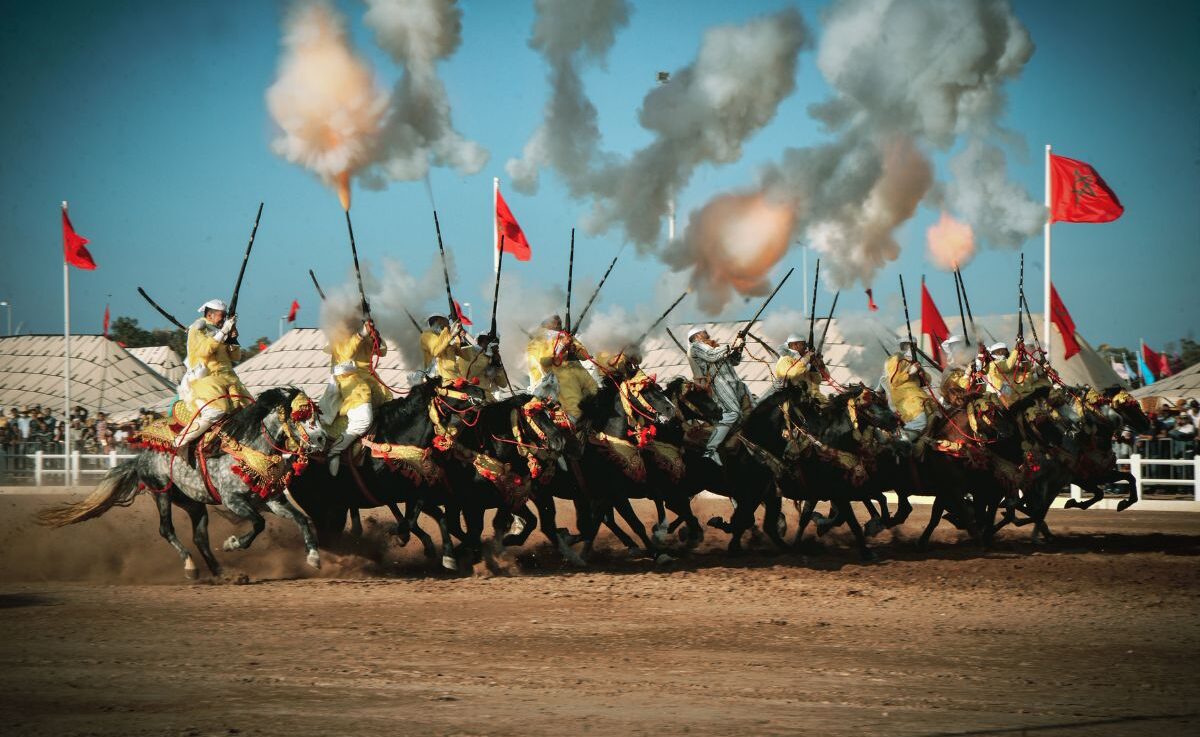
118, 488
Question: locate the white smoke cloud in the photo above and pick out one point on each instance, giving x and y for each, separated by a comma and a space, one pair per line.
419, 130
324, 100
1000, 211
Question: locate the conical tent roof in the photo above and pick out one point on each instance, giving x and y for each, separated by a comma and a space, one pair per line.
165, 361
1183, 386
301, 358
104, 376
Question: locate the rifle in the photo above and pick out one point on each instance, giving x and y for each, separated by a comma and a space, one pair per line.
676, 341
496, 292
763, 343
570, 275
661, 317
1020, 299
317, 284
812, 312
592, 299
453, 313
744, 331
161, 311
362, 294
237, 287
828, 320
1032, 327
962, 318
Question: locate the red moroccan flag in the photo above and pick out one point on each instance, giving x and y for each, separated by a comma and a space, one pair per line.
1079, 195
458, 313
933, 325
507, 226
105, 321
74, 251
292, 312
1157, 362
1066, 326
262, 346
871, 302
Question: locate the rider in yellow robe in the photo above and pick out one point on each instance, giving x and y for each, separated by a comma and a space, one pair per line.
905, 382
353, 392
558, 354
480, 364
441, 348
210, 386
800, 366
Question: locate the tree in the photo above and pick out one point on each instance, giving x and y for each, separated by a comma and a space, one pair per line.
127, 332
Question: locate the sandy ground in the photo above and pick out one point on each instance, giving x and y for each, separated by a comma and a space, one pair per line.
1096, 635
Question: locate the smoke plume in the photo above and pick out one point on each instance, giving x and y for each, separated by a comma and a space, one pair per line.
324, 100
418, 129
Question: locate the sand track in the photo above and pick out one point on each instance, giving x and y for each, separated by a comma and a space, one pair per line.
1096, 635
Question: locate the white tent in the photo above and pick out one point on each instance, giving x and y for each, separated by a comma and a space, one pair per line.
1183, 386
162, 359
104, 376
300, 358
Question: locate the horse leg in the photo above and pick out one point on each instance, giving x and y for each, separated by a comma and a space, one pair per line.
682, 507
903, 509
198, 512
1133, 489
166, 528
241, 506
825, 524
806, 514
356, 528
403, 528
847, 513
1097, 495
283, 508
449, 562
742, 520
876, 524
935, 516
548, 523
625, 508
774, 523
412, 510
661, 528
473, 540
610, 521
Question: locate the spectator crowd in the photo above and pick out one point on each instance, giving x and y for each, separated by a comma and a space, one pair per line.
26, 430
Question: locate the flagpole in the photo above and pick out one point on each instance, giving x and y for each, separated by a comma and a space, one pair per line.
66, 365
495, 227
1046, 287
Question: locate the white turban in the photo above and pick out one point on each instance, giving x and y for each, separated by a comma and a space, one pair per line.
949, 343
213, 304
794, 338
997, 347
696, 331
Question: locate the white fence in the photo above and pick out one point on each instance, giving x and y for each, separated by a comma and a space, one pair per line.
1138, 466
71, 475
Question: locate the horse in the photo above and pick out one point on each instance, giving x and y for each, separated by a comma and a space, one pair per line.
249, 474
400, 463
696, 412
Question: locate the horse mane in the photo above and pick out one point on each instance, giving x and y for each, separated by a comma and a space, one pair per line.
675, 386
398, 414
494, 416
246, 423
596, 405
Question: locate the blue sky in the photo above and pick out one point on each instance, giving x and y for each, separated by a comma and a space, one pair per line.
150, 118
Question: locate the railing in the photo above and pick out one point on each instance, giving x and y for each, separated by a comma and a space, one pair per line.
1138, 466
100, 464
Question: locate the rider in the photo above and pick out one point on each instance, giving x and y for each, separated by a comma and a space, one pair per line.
713, 365
956, 378
481, 363
905, 381
210, 385
800, 366
353, 390
441, 347
555, 357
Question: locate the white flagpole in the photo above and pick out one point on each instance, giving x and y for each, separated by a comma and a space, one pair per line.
66, 365
1046, 287
495, 226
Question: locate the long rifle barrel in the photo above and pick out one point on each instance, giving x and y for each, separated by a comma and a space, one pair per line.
161, 311
661, 317
362, 294
812, 311
967, 301
676, 342
496, 291
961, 316
825, 332
317, 284
1020, 299
742, 333
570, 277
592, 299
237, 287
453, 313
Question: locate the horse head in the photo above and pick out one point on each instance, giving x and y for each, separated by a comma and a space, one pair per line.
1128, 409
283, 419
646, 402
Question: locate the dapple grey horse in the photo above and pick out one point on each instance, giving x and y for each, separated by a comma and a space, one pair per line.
276, 424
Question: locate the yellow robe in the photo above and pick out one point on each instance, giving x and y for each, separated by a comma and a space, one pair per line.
574, 381
439, 348
220, 389
1002, 377
474, 365
908, 396
357, 386
799, 371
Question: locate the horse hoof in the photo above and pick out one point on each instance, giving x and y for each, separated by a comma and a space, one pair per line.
873, 528
314, 559
659, 536
449, 563
573, 558
1071, 504
1125, 504
189, 570
870, 556
232, 543
663, 559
